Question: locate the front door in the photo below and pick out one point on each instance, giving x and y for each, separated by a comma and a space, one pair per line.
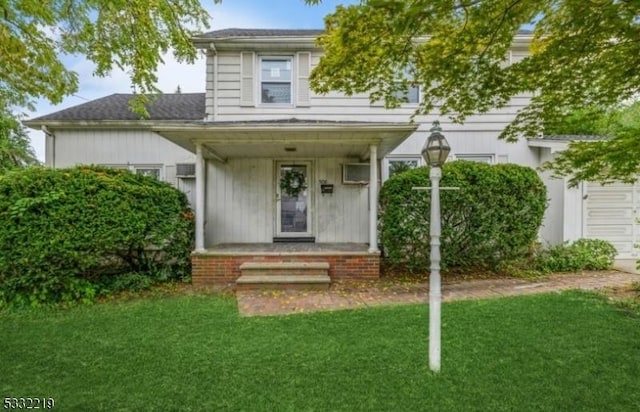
293, 194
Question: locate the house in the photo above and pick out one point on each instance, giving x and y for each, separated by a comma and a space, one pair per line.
590, 210
282, 179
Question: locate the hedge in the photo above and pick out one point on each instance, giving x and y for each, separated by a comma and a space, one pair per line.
493, 217
65, 230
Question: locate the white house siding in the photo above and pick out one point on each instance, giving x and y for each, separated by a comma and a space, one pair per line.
343, 215
117, 147
551, 232
478, 136
241, 202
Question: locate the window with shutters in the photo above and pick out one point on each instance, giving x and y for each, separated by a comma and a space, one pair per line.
275, 80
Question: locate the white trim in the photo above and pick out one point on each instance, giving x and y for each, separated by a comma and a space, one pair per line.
373, 199
200, 194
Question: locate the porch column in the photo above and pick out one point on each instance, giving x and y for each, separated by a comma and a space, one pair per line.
373, 198
200, 192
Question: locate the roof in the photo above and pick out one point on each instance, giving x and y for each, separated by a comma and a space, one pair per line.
175, 106
572, 137
239, 33
235, 32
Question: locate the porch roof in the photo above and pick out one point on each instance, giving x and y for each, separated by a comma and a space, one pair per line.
286, 138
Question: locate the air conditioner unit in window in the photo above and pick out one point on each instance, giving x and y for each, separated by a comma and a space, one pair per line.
186, 170
355, 173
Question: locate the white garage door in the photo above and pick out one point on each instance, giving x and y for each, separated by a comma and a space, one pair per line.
610, 213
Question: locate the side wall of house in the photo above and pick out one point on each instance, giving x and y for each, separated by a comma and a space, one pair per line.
133, 149
241, 202
232, 95
563, 219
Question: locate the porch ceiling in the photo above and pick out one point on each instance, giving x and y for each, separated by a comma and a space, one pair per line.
223, 140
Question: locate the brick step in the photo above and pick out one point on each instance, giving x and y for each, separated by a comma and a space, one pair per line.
251, 282
285, 268
284, 275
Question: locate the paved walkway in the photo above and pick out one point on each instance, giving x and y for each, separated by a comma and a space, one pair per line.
365, 294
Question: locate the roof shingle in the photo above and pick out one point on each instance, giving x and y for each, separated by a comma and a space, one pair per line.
178, 106
236, 32
572, 137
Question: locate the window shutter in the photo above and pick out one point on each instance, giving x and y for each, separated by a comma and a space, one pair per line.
247, 86
304, 69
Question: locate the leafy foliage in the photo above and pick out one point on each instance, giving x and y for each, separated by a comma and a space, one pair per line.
616, 158
64, 230
15, 150
583, 54
124, 34
583, 254
494, 217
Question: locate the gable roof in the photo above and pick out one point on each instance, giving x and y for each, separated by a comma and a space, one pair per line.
173, 106
239, 33
574, 137
236, 32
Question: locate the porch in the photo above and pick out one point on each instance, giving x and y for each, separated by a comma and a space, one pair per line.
283, 181
228, 262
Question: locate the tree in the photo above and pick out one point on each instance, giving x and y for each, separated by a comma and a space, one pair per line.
614, 158
124, 34
15, 151
583, 53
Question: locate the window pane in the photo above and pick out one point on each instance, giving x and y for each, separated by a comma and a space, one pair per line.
278, 70
149, 172
398, 166
275, 80
411, 95
476, 158
276, 92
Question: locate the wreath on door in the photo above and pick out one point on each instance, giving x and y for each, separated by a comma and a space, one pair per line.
293, 182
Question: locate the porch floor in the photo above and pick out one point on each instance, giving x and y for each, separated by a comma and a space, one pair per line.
288, 248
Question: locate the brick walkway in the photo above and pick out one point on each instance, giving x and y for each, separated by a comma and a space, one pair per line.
358, 295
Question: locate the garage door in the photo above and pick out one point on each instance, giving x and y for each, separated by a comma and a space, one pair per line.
610, 213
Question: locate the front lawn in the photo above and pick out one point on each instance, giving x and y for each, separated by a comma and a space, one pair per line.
569, 351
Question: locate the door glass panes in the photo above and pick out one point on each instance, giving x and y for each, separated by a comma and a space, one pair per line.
295, 202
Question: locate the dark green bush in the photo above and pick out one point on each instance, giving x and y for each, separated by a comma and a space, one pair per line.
63, 229
494, 216
583, 254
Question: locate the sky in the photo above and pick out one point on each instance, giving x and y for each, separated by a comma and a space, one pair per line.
276, 14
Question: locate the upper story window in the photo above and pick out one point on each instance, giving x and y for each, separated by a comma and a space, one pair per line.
275, 80
410, 95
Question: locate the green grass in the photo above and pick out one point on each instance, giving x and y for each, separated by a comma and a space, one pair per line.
554, 352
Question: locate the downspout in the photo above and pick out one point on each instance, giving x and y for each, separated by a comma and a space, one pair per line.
49, 136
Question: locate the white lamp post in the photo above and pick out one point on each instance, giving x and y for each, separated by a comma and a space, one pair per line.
435, 152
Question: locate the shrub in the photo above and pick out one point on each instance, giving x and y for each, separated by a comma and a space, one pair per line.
583, 254
494, 216
62, 229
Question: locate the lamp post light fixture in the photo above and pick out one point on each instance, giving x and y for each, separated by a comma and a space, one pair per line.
435, 152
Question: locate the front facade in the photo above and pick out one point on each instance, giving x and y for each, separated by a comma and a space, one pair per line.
276, 173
